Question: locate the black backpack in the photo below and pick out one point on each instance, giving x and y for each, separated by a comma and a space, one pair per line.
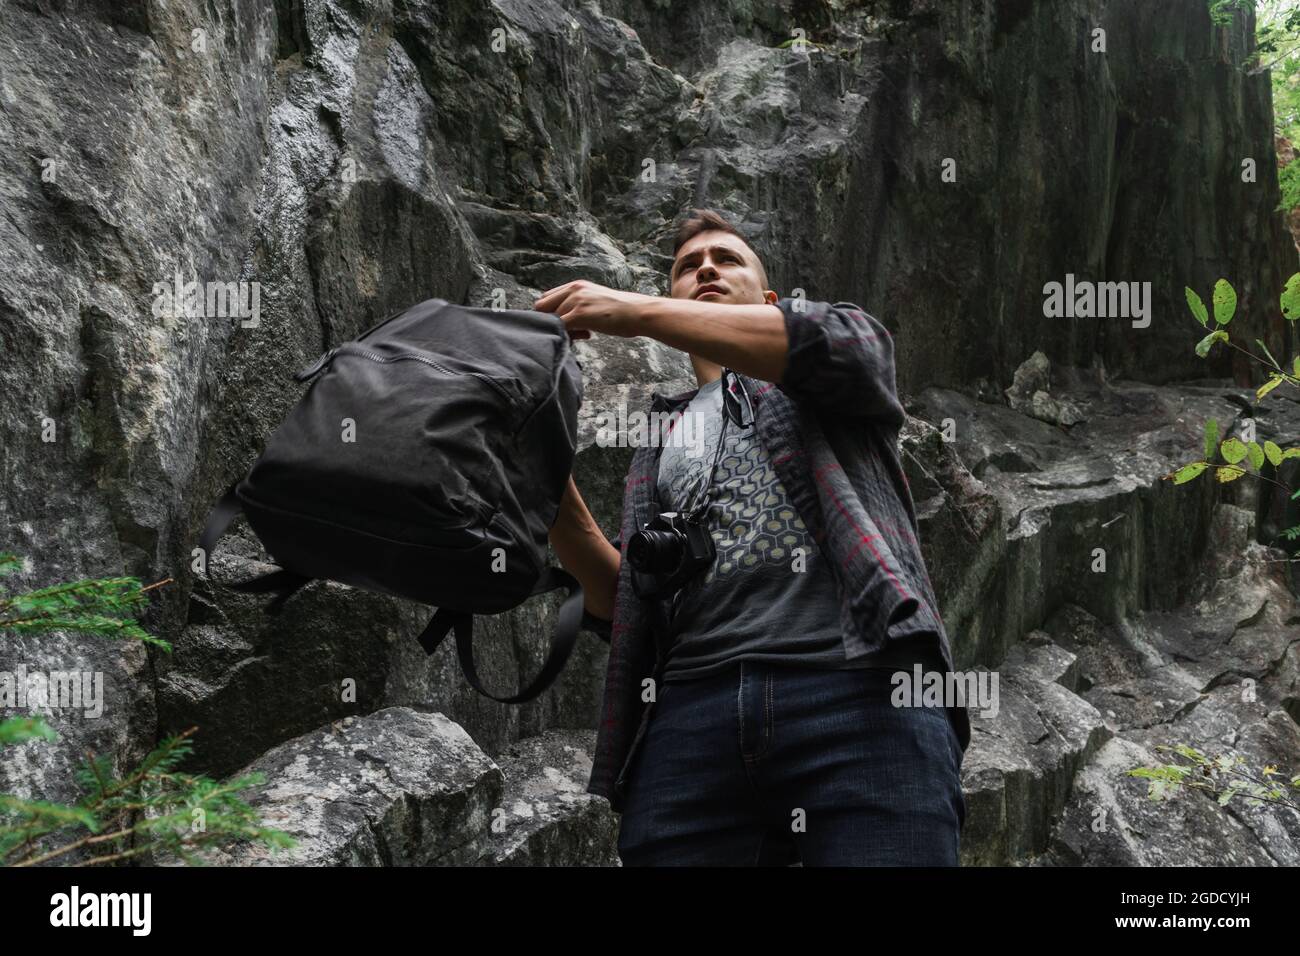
426, 460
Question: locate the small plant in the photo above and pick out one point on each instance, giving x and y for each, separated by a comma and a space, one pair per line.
1231, 458
152, 809
1222, 776
1235, 457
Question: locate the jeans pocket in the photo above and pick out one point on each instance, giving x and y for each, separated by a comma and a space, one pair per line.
938, 716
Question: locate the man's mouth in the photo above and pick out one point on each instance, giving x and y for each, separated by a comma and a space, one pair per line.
706, 289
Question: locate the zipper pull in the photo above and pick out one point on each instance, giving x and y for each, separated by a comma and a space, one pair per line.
317, 368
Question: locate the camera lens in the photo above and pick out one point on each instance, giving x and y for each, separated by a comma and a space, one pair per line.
655, 552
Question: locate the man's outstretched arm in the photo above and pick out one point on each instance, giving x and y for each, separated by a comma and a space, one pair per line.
836, 358
750, 339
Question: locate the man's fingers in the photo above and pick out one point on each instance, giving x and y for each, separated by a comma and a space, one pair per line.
557, 300
550, 300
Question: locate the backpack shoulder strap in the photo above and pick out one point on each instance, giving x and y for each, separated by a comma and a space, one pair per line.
283, 581
566, 633
223, 512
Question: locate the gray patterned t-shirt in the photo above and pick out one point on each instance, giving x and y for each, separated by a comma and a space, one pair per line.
770, 595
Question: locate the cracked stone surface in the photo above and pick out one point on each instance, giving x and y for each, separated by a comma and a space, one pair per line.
1087, 701
547, 818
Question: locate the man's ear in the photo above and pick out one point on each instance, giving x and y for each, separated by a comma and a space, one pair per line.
770, 297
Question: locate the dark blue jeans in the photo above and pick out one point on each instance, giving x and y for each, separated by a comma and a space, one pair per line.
773, 764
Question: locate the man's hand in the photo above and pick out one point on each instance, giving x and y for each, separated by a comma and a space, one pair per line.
587, 307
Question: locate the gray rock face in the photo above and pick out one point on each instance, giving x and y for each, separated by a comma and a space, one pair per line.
353, 158
401, 788
396, 788
547, 817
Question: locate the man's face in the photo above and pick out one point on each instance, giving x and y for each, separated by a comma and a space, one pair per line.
715, 266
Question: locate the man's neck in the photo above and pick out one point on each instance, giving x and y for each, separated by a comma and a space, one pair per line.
705, 371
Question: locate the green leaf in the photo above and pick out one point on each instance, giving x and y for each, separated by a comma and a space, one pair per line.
1226, 475
1225, 302
1197, 306
1291, 300
1273, 453
1291, 453
1191, 753
1188, 472
1297, 365
1203, 346
1233, 451
1268, 386
1211, 436
1260, 343
1256, 455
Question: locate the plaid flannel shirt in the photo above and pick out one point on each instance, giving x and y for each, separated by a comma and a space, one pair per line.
830, 430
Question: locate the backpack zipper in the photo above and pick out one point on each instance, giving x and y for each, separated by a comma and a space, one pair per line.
354, 349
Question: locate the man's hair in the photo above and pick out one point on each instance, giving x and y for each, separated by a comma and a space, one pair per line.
703, 220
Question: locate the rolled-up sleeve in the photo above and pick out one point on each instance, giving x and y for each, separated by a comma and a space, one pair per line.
841, 361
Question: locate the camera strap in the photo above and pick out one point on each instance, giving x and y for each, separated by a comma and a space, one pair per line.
700, 511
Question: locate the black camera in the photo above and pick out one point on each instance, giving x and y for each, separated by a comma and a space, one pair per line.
667, 552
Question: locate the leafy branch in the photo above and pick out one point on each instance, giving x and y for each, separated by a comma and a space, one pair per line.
1221, 776
154, 808
103, 606
1237, 458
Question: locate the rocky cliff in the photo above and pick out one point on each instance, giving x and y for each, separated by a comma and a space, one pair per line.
936, 161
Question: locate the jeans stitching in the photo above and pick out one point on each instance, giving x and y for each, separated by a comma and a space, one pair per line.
768, 744
764, 696
740, 711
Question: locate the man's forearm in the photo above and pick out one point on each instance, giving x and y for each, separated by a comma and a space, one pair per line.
585, 553
750, 339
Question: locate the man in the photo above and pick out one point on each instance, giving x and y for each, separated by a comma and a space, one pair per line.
769, 672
